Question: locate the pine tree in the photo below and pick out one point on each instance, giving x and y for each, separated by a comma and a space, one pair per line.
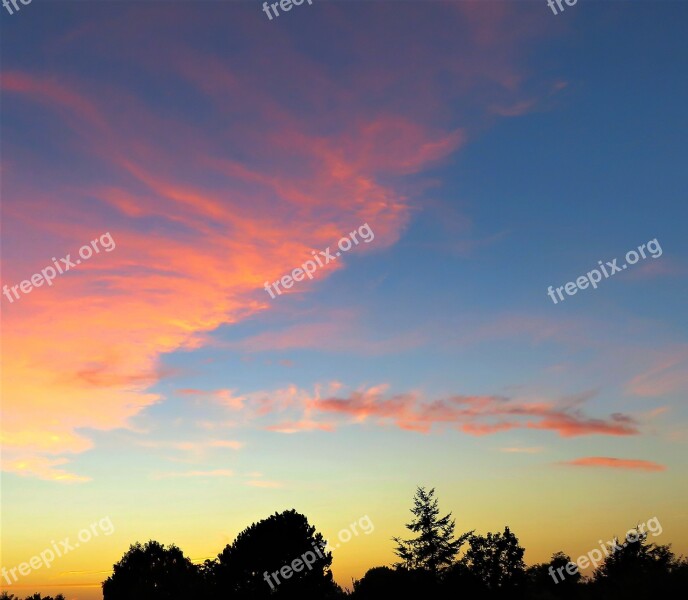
434, 548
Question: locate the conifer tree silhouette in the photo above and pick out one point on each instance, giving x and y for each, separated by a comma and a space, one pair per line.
434, 548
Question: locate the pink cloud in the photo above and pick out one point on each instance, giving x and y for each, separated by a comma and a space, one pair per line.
204, 215
303, 425
668, 375
474, 415
335, 331
225, 397
653, 268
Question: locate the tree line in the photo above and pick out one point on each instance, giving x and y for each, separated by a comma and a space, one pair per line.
266, 560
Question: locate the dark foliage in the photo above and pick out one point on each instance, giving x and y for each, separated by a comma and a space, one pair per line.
541, 583
496, 560
152, 572
384, 582
36, 596
491, 567
242, 569
640, 569
434, 547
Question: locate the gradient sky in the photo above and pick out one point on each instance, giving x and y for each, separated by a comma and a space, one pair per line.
494, 148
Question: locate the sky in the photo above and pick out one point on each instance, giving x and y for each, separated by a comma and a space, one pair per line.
483, 150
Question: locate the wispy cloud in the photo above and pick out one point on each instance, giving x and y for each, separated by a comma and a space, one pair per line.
668, 375
475, 415
199, 231
264, 484
233, 444
226, 397
192, 446
43, 468
326, 409
302, 425
615, 463
523, 450
211, 473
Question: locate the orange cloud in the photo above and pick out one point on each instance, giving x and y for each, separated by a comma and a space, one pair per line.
188, 286
616, 463
43, 468
202, 214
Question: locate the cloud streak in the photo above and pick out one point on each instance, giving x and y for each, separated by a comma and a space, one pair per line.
474, 415
193, 474
327, 408
615, 463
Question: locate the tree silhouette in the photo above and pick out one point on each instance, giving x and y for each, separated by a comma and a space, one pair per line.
460, 581
497, 560
638, 567
395, 583
545, 580
36, 596
152, 572
251, 567
434, 548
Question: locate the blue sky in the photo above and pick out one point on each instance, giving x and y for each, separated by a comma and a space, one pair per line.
494, 148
